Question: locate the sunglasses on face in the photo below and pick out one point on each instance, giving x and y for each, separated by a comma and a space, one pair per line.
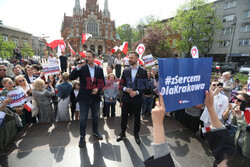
2, 69
21, 80
10, 83
239, 100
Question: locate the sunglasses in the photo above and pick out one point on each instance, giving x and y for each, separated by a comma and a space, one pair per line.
21, 80
10, 83
2, 69
239, 100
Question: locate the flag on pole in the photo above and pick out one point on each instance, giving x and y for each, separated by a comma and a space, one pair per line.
71, 49
55, 43
124, 47
141, 62
114, 49
85, 37
28, 106
96, 61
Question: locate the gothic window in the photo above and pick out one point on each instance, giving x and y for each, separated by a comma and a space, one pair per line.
92, 28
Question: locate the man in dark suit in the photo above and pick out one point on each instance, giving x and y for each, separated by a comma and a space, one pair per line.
91, 83
133, 83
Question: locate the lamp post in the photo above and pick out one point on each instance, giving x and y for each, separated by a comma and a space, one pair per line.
231, 47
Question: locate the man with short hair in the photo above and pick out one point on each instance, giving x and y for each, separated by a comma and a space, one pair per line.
63, 62
133, 83
30, 77
220, 103
91, 83
3, 74
16, 71
228, 85
111, 60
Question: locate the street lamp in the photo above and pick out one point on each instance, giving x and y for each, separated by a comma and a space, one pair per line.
231, 47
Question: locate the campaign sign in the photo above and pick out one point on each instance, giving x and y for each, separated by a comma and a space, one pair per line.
17, 96
183, 82
148, 60
51, 69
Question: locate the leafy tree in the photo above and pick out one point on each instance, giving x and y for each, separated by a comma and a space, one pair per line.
6, 48
27, 50
156, 40
195, 23
125, 32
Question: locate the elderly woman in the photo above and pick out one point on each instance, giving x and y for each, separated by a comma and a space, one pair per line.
64, 89
21, 83
7, 93
43, 100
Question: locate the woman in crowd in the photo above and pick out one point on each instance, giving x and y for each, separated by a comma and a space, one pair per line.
8, 87
237, 84
64, 89
110, 94
52, 80
71, 62
21, 83
118, 65
75, 107
43, 100
148, 97
242, 136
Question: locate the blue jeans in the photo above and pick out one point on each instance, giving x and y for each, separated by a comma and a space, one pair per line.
84, 111
147, 104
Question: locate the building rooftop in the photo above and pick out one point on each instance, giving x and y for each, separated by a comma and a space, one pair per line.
14, 29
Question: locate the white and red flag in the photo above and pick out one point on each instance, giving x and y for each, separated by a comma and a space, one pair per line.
61, 48
55, 43
124, 47
83, 54
114, 49
85, 37
96, 61
71, 49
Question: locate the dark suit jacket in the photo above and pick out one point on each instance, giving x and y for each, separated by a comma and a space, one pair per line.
86, 84
73, 100
28, 80
140, 84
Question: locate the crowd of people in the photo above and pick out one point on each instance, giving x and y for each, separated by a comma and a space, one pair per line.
82, 85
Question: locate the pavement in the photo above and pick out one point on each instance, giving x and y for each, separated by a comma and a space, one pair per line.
56, 145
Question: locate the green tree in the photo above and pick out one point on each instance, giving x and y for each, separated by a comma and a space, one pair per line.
195, 22
26, 50
6, 48
125, 32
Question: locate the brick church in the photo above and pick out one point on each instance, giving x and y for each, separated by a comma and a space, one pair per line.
90, 20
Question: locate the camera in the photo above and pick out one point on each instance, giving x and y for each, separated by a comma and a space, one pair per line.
248, 128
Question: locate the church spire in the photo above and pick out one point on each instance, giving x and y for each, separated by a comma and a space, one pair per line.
77, 8
106, 9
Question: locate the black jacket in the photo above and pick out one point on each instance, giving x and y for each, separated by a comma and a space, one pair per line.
86, 84
140, 84
28, 80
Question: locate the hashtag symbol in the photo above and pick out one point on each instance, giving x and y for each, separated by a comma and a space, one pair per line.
168, 80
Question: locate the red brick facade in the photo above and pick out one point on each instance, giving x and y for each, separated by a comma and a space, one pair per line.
90, 20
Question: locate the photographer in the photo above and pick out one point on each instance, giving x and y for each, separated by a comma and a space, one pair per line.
242, 136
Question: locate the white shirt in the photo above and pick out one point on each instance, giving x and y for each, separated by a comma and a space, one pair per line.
52, 60
220, 106
126, 61
118, 61
92, 72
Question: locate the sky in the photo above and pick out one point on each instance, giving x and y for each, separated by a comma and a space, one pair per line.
44, 17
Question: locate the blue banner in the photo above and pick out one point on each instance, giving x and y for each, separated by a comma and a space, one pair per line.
183, 82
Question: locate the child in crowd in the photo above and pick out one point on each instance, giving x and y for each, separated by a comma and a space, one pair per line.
75, 107
110, 94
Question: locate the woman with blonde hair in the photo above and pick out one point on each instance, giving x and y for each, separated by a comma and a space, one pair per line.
43, 100
21, 83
